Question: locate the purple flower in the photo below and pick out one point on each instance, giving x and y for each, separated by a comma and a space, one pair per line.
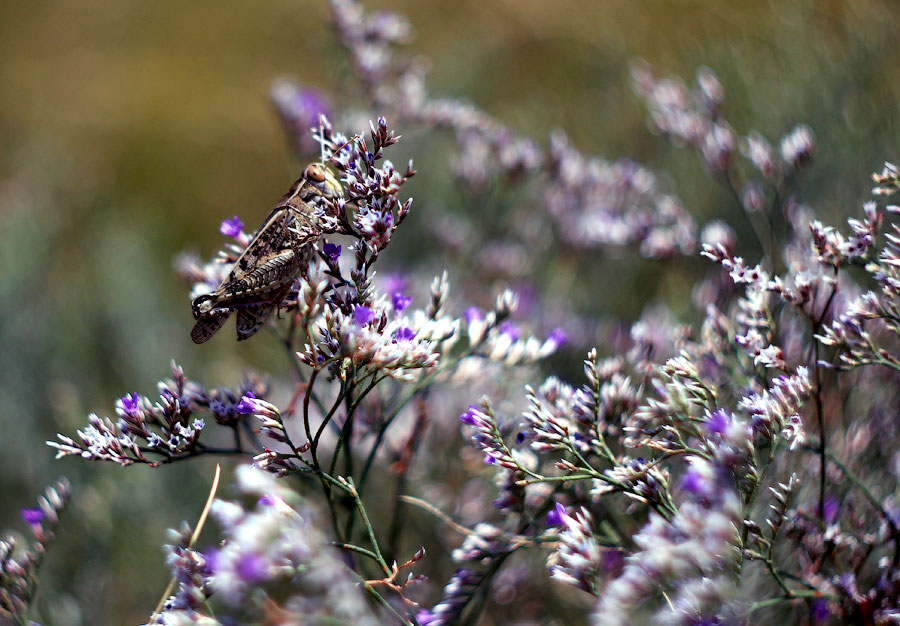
468, 417
362, 315
32, 516
331, 250
555, 515
400, 301
394, 283
251, 568
521, 436
820, 610
232, 227
832, 509
425, 617
299, 109
130, 403
404, 333
694, 482
613, 560
558, 337
211, 556
489, 460
247, 404
717, 422
266, 500
509, 329
472, 314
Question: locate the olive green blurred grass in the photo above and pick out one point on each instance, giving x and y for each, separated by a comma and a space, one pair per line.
130, 129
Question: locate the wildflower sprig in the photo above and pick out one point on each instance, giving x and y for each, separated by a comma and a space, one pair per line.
168, 430
19, 563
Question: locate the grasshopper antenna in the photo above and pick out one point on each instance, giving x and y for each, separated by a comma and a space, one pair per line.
337, 151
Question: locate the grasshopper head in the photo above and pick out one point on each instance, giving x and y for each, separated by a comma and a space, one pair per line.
322, 181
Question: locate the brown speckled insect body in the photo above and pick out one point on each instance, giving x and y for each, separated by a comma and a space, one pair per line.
280, 251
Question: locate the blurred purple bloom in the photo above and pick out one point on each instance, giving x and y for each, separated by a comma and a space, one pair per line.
266, 500
404, 333
472, 314
299, 109
247, 404
695, 483
130, 403
489, 460
717, 422
362, 315
558, 336
832, 509
521, 436
252, 568
468, 417
211, 556
820, 611
394, 283
613, 560
32, 515
232, 227
424, 617
400, 301
509, 329
331, 250
555, 515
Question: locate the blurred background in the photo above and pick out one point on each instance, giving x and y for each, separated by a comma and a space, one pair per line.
131, 129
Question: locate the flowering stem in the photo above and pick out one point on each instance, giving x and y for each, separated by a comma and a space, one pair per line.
194, 536
554, 479
354, 548
371, 591
769, 249
369, 530
895, 531
427, 506
379, 438
306, 398
790, 597
346, 431
405, 461
820, 412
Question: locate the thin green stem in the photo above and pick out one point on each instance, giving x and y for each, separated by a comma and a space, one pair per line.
381, 600
369, 530
354, 548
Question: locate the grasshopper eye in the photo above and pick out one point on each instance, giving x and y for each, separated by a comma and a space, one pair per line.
315, 173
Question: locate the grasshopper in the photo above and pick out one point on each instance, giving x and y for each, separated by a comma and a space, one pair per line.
280, 252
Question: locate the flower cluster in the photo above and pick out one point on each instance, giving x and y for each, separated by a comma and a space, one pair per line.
167, 430
599, 204
274, 540
19, 564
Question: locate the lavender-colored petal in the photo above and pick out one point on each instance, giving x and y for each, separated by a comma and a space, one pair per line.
400, 301
362, 315
558, 336
468, 417
331, 250
232, 227
32, 515
555, 515
247, 404
510, 330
